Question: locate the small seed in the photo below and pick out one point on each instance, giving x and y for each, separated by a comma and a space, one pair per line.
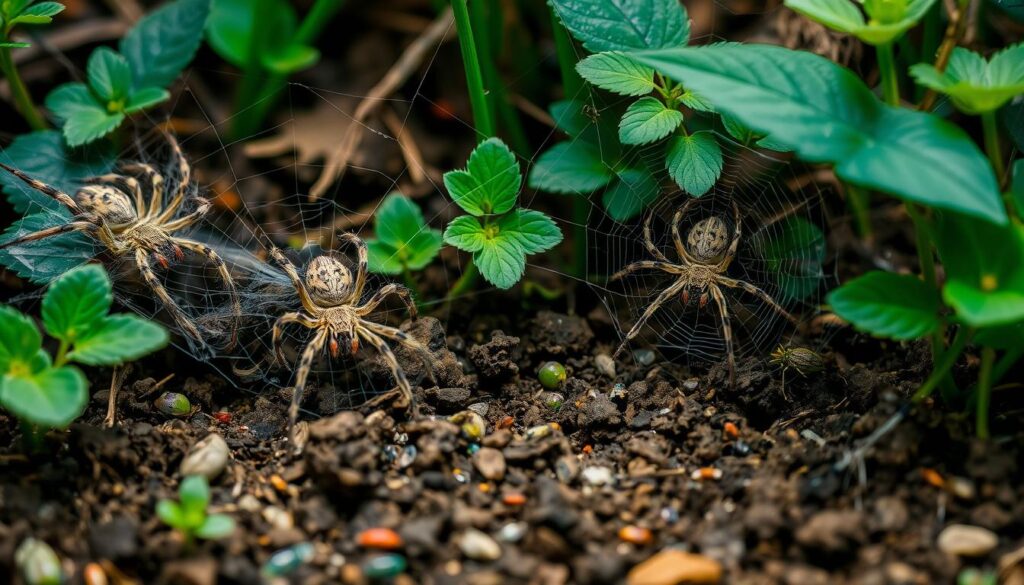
933, 477
279, 483
380, 538
731, 430
173, 404
287, 560
384, 566
636, 535
514, 499
551, 375
706, 473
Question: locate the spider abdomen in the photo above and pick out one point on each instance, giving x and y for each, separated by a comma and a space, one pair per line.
107, 202
328, 280
708, 239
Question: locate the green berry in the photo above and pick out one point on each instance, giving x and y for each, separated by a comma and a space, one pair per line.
173, 404
551, 375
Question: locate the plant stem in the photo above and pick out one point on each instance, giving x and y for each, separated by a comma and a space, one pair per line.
22, 99
954, 30
1006, 362
860, 203
887, 70
925, 257
62, 351
988, 357
466, 282
487, 23
941, 368
483, 118
992, 148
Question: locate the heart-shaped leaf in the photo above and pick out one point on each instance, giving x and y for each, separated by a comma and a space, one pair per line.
617, 73
50, 398
694, 162
648, 120
491, 181
76, 302
897, 306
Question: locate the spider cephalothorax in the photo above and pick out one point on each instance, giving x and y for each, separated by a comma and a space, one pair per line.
113, 209
700, 272
331, 306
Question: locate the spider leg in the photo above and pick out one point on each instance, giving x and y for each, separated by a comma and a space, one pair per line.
309, 353
649, 241
677, 238
768, 300
184, 180
389, 356
665, 295
405, 339
737, 233
364, 256
723, 312
278, 330
378, 297
73, 226
45, 189
225, 275
185, 221
307, 302
156, 192
146, 269
644, 265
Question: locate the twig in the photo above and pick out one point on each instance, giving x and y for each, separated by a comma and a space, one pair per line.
407, 63
954, 31
116, 381
74, 36
128, 10
410, 151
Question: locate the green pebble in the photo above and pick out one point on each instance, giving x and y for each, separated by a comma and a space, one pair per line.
287, 560
384, 566
173, 404
37, 563
551, 375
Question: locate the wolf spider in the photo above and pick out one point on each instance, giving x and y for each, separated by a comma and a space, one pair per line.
703, 260
331, 306
113, 210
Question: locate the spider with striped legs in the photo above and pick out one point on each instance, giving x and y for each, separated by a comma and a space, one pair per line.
332, 306
112, 209
704, 257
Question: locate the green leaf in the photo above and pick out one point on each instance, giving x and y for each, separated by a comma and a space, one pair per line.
1002, 337
501, 260
20, 341
163, 42
290, 59
694, 162
118, 339
793, 251
1017, 187
42, 261
85, 119
383, 258
403, 238
624, 25
491, 181
617, 73
215, 527
648, 120
15, 45
110, 78
41, 13
146, 97
695, 102
535, 231
571, 167
569, 117
887, 20
634, 190
976, 86
824, 113
984, 267
76, 302
838, 15
465, 233
44, 156
194, 494
897, 306
51, 398
171, 514
231, 24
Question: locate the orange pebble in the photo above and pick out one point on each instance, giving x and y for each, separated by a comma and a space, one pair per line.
93, 574
731, 430
706, 473
514, 499
506, 422
933, 477
636, 535
382, 538
588, 449
555, 426
279, 483
484, 487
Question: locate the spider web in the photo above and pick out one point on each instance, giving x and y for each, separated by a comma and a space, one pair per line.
259, 203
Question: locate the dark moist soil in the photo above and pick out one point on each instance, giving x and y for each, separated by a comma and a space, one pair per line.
745, 476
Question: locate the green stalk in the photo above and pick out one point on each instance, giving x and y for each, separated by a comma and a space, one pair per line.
1006, 362
466, 282
941, 368
887, 70
483, 118
994, 151
62, 351
22, 99
860, 204
487, 24
988, 357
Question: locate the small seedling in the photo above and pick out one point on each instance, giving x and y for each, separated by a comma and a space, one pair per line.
12, 14
188, 515
404, 243
44, 391
882, 21
498, 234
123, 83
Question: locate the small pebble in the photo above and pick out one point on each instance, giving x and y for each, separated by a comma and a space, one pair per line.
643, 357
967, 541
672, 567
618, 392
384, 566
93, 574
513, 531
490, 463
207, 458
380, 538
636, 535
962, 488
538, 432
598, 475
478, 546
37, 563
472, 424
173, 404
407, 457
552, 375
605, 364
287, 560
691, 384
514, 499
278, 518
731, 430
567, 468
473, 448
706, 473
480, 408
279, 483
552, 400
669, 514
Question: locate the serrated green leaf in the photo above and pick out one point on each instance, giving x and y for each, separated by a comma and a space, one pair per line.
76, 302
896, 306
164, 41
383, 258
231, 24
974, 85
465, 233
43, 260
501, 260
216, 526
118, 339
290, 59
630, 194
824, 113
44, 156
491, 181
887, 20
694, 162
571, 167
110, 78
617, 73
984, 267
404, 240
648, 120
695, 102
624, 25
145, 98
535, 231
85, 119
20, 340
51, 398
793, 251
41, 13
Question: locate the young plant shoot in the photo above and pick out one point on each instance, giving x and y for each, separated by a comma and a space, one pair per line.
12, 14
404, 243
189, 516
